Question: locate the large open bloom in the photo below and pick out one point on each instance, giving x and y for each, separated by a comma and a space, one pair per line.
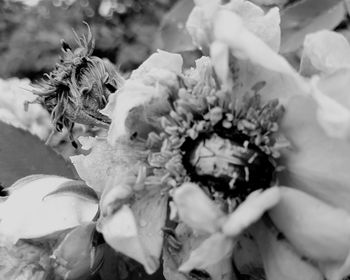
240, 144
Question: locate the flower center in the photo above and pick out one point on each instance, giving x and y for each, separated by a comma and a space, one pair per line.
228, 163
229, 146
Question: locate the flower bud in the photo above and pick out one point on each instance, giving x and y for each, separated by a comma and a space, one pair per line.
42, 205
76, 256
79, 87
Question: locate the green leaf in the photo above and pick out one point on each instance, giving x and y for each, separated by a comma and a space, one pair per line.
306, 17
22, 154
173, 35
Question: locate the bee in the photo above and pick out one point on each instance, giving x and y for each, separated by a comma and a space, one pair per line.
228, 163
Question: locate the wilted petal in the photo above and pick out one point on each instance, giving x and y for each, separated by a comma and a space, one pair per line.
280, 261
324, 51
196, 209
39, 207
137, 233
213, 250
255, 205
317, 163
318, 231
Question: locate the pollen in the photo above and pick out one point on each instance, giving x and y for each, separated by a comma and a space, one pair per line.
228, 166
228, 145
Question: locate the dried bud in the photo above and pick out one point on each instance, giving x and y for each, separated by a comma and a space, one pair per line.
79, 86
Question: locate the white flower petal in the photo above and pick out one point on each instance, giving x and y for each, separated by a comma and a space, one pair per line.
104, 163
108, 110
318, 231
75, 256
246, 255
324, 51
160, 60
222, 270
255, 205
120, 232
280, 261
334, 117
196, 209
189, 241
219, 54
137, 232
150, 210
115, 195
317, 164
31, 211
336, 85
213, 250
265, 26
246, 45
134, 93
198, 24
151, 80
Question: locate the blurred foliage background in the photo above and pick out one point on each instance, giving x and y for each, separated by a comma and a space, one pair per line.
128, 31
30, 34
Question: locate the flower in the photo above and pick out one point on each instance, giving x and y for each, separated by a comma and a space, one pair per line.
12, 101
237, 145
133, 207
40, 217
330, 62
76, 255
79, 86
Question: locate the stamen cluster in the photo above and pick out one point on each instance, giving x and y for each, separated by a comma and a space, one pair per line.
228, 148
